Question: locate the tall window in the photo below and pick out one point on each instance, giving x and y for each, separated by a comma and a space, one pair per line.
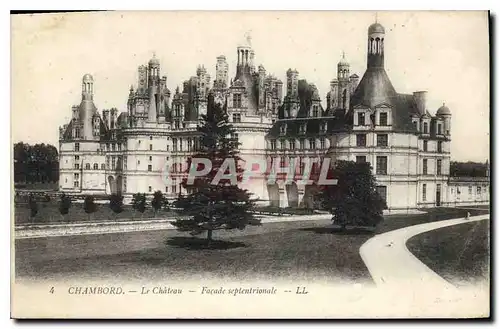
322, 143
315, 111
439, 129
360, 140
150, 189
292, 144
424, 192
150, 168
237, 100
103, 166
426, 128
236, 117
425, 146
312, 143
77, 166
440, 147
360, 158
382, 140
282, 144
190, 144
177, 124
174, 144
87, 166
273, 144
383, 119
424, 167
150, 147
361, 119
177, 110
77, 158
382, 191
77, 147
439, 167
381, 165
302, 144
113, 162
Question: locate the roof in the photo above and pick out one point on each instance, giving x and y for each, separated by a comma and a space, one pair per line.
443, 110
376, 28
312, 127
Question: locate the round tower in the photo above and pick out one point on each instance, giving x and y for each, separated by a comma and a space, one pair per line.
445, 113
343, 68
376, 35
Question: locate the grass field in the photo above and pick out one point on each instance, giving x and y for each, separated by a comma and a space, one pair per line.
294, 250
458, 253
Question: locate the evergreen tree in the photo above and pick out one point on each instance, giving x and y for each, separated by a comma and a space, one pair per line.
116, 203
354, 200
212, 205
64, 204
158, 201
89, 205
139, 202
32, 204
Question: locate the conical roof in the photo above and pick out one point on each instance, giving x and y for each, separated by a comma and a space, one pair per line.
373, 89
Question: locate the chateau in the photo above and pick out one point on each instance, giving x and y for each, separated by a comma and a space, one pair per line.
146, 148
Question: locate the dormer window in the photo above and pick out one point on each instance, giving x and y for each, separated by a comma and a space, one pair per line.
273, 144
426, 128
361, 118
383, 119
322, 127
283, 129
315, 111
236, 100
302, 128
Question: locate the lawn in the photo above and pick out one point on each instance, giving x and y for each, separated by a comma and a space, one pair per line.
294, 250
458, 253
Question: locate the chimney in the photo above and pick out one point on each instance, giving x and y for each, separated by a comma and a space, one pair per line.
420, 98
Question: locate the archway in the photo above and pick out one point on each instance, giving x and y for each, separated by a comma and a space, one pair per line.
112, 184
293, 195
119, 184
274, 195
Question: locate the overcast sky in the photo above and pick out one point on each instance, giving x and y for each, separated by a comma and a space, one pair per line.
445, 53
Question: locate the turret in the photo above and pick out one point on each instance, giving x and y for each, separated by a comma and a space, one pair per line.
445, 113
292, 81
376, 34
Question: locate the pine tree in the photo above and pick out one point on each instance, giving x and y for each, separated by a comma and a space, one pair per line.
64, 204
116, 203
89, 205
354, 200
158, 201
211, 205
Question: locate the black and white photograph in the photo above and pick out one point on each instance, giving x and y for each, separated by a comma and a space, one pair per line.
250, 164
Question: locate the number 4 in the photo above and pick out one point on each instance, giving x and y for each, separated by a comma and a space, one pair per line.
52, 290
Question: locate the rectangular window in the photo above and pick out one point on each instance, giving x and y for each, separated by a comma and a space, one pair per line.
150, 168
439, 129
381, 165
382, 191
177, 124
302, 167
113, 147
360, 140
273, 145
382, 140
77, 158
237, 100
150, 147
174, 188
174, 144
166, 189
292, 144
315, 111
438, 167
77, 147
282, 144
312, 143
302, 129
150, 189
425, 146
76, 176
383, 119
302, 144
76, 183
479, 190
361, 119
360, 158
113, 162
470, 190
77, 166
426, 128
440, 147
424, 192
322, 143
236, 117
424, 167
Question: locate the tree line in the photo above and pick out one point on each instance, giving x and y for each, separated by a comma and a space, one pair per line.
468, 169
37, 163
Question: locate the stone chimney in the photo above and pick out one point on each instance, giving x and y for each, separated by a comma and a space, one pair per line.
420, 98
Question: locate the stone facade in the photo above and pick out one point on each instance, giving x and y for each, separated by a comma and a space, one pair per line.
146, 148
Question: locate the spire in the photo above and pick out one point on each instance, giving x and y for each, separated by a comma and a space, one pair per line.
376, 17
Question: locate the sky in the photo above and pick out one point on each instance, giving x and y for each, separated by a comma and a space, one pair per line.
445, 53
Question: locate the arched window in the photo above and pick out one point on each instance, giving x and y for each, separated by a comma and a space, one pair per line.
87, 166
103, 166
372, 44
96, 166
377, 45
